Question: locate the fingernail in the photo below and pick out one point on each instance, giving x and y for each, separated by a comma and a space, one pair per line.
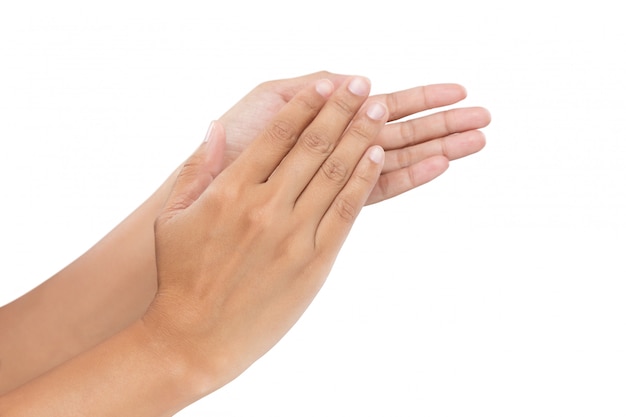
324, 87
376, 111
376, 155
359, 86
209, 133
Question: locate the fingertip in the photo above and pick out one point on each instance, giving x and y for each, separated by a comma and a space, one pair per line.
440, 162
453, 89
474, 141
457, 93
360, 86
462, 91
336, 79
487, 116
376, 110
431, 168
480, 140
324, 87
438, 95
376, 154
434, 164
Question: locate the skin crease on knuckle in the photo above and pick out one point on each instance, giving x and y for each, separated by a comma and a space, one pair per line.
282, 133
403, 158
383, 185
408, 133
307, 104
342, 106
335, 170
391, 101
316, 142
345, 209
363, 131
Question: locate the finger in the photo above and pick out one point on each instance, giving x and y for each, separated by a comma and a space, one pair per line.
453, 147
414, 100
399, 181
337, 169
340, 216
319, 139
411, 132
197, 172
261, 158
289, 87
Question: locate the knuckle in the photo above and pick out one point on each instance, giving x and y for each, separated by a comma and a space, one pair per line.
161, 220
407, 133
190, 166
364, 175
448, 121
281, 131
316, 142
224, 197
345, 210
343, 106
413, 176
384, 186
262, 216
402, 158
323, 74
407, 157
335, 170
258, 218
443, 146
427, 99
363, 132
392, 102
292, 247
224, 192
267, 85
307, 103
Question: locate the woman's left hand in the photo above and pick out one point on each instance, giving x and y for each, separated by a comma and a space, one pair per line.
417, 150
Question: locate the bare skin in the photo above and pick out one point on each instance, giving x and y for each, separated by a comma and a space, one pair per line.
239, 258
111, 285
416, 150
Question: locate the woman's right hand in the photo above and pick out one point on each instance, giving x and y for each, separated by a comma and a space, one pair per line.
241, 256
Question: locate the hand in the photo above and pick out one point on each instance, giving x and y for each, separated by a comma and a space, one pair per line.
239, 260
417, 150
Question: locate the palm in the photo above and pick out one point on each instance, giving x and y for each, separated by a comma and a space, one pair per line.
417, 150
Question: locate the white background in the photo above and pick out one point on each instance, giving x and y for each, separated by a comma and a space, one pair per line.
496, 290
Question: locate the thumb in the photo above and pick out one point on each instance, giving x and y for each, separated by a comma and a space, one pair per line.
197, 172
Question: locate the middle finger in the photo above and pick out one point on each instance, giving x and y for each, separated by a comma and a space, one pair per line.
412, 132
320, 138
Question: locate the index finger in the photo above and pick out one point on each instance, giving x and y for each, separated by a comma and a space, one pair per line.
263, 155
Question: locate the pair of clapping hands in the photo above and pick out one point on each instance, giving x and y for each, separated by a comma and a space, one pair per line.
260, 210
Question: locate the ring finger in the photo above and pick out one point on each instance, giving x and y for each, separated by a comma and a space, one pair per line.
320, 138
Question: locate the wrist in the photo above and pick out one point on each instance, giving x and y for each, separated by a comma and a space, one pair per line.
194, 373
139, 371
